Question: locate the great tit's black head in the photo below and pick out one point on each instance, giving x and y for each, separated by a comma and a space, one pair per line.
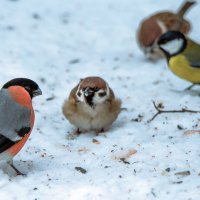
92, 90
30, 86
172, 43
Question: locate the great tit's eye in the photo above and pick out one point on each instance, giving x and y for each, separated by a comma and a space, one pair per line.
102, 94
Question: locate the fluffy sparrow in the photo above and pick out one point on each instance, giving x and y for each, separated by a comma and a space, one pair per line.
91, 105
154, 26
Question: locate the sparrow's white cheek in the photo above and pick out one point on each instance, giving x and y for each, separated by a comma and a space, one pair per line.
80, 96
99, 99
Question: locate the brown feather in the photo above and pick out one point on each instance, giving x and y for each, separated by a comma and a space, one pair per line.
93, 82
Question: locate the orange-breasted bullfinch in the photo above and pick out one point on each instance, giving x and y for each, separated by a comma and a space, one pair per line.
16, 117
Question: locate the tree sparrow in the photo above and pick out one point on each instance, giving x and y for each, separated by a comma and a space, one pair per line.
154, 26
91, 105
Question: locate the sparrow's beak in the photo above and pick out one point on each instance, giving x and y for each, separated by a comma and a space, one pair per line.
88, 92
37, 92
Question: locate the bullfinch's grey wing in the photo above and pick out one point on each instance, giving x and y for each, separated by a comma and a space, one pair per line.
14, 120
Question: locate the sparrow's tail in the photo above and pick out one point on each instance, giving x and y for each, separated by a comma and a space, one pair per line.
185, 6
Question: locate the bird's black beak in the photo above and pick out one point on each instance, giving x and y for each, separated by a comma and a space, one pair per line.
37, 92
89, 92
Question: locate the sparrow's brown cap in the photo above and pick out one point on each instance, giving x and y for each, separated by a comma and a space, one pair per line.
93, 82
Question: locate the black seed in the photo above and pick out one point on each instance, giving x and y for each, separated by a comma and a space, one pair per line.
80, 169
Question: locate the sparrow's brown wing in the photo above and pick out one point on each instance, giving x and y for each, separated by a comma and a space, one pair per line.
14, 120
73, 92
112, 95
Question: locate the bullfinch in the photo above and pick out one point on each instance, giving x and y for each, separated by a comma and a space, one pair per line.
16, 117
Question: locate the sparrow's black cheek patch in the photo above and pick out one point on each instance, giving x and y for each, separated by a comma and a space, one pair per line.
102, 94
23, 131
79, 94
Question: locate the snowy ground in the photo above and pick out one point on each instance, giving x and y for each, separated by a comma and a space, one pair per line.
58, 42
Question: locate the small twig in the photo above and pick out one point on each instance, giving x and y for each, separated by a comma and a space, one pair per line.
160, 111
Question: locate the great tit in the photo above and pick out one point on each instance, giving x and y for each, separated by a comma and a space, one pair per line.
152, 27
183, 55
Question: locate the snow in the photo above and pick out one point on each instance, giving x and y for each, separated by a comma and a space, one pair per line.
58, 42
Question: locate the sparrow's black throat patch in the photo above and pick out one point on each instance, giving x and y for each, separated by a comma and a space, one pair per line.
89, 99
89, 94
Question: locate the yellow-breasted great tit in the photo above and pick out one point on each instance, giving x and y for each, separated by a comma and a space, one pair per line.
183, 55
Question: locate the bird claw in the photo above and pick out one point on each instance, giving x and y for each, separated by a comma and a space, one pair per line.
78, 132
190, 87
18, 173
100, 131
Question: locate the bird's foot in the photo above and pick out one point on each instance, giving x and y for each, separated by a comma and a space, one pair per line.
100, 131
78, 132
190, 87
18, 173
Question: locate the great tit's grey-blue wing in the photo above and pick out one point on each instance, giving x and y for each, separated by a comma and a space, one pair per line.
14, 120
192, 53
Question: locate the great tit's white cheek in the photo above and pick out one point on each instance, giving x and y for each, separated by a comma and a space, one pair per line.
173, 47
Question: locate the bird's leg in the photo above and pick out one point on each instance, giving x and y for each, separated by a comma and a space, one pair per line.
18, 173
190, 87
100, 131
78, 132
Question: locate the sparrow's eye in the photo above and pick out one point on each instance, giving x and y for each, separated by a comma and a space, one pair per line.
79, 94
102, 94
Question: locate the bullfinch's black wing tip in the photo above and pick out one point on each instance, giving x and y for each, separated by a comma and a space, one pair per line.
5, 143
